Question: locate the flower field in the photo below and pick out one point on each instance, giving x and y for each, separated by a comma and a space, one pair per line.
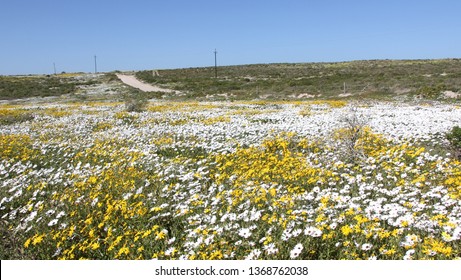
230, 180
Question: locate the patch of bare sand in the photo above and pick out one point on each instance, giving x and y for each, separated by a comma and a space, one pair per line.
133, 82
451, 94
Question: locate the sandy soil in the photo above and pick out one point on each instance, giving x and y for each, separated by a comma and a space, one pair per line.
132, 81
451, 94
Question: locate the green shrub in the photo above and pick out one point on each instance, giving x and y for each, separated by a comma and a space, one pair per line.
136, 100
135, 105
381, 79
454, 137
431, 91
8, 117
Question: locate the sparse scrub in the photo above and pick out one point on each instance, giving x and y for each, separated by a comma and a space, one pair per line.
374, 79
305, 111
432, 92
135, 105
454, 137
135, 101
346, 139
12, 116
34, 86
382, 80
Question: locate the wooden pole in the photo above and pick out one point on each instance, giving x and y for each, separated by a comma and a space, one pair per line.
95, 65
215, 65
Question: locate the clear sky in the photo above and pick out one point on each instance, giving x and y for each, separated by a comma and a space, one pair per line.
154, 34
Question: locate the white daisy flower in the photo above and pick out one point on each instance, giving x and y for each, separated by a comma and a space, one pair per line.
313, 231
296, 251
366, 246
456, 234
169, 251
271, 249
245, 232
53, 222
60, 214
296, 232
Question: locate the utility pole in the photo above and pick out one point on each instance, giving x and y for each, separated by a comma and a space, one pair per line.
54, 67
95, 65
215, 65
344, 88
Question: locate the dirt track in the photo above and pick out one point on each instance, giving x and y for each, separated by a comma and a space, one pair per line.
133, 82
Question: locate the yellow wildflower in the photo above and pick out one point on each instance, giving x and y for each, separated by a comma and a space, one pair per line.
37, 239
27, 243
95, 246
346, 230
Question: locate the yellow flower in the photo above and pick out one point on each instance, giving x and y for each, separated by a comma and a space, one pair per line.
432, 245
146, 233
123, 250
27, 243
92, 180
361, 219
117, 240
155, 209
328, 236
346, 230
268, 240
37, 239
160, 235
390, 252
89, 221
95, 246
217, 255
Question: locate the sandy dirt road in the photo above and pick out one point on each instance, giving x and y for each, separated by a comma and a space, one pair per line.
132, 81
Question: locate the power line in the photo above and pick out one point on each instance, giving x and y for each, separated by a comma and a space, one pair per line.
215, 65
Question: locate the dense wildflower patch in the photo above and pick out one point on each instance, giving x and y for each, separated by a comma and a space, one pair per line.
231, 181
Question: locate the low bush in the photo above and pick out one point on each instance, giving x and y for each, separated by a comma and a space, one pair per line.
8, 117
454, 137
135, 100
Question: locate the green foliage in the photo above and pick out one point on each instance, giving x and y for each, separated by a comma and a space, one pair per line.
8, 117
382, 79
111, 77
12, 88
10, 248
135, 105
432, 92
454, 137
40, 86
135, 101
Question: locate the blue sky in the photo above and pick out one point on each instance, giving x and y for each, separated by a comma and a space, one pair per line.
142, 34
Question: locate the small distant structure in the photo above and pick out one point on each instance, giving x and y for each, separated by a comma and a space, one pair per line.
155, 73
215, 65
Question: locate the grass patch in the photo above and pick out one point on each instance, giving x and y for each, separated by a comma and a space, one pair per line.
381, 79
12, 87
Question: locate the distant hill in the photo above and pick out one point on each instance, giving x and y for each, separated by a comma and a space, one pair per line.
402, 80
377, 79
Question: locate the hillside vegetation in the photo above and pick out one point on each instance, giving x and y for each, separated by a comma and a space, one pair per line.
382, 79
401, 80
109, 172
269, 180
20, 87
